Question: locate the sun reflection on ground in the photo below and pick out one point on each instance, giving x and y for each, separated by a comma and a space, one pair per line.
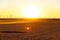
27, 28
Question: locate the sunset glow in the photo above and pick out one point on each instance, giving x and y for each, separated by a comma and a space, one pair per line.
31, 11
29, 8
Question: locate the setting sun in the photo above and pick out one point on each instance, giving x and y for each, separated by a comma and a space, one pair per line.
31, 11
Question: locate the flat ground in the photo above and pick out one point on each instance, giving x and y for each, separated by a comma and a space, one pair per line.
45, 30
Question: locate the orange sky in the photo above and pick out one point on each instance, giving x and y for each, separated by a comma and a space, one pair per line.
13, 8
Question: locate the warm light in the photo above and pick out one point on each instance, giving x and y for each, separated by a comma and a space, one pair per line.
31, 11
28, 28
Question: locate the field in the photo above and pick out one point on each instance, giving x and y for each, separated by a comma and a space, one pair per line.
49, 29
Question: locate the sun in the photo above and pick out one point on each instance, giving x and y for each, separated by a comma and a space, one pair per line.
31, 11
